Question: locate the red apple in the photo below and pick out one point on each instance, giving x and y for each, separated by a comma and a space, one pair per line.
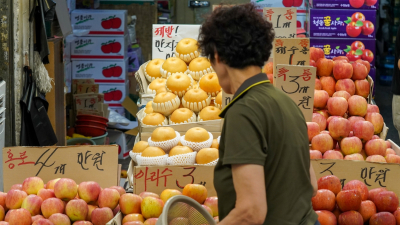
326, 218
386, 201
52, 206
324, 200
357, 106
353, 30
363, 130
16, 187
375, 147
346, 85
148, 194
318, 85
313, 129
108, 198
377, 120
15, 198
324, 67
322, 142
101, 216
383, 218
89, 191
359, 71
38, 217
32, 203
65, 189
316, 53
313, 63
320, 120
46, 193
366, 64
358, 17
60, 219
331, 183
120, 189
372, 109
341, 58
357, 45
353, 120
339, 128
350, 145
320, 99
76, 210
374, 192
315, 154
18, 217
337, 106
212, 203
392, 159
359, 186
367, 210
132, 217
323, 112
376, 137
367, 55
390, 151
152, 207
332, 154
354, 157
32, 185
130, 203
343, 94
362, 88
196, 191
42, 222
349, 200
51, 183
351, 218
376, 158
153, 221
368, 28
342, 70
328, 84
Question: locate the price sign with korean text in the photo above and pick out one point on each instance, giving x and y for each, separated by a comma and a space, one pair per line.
284, 21
374, 175
167, 36
158, 178
299, 83
83, 163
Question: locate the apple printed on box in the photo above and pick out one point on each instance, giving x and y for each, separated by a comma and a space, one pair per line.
325, 23
352, 48
99, 22
345, 4
114, 94
99, 48
101, 72
301, 5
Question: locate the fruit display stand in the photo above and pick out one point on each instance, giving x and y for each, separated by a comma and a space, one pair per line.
373, 174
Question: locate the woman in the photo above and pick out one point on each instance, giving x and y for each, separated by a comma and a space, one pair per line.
263, 173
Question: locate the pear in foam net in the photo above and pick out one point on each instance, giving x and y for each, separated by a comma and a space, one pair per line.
187, 49
166, 103
172, 65
196, 100
199, 67
182, 115
179, 84
152, 70
210, 84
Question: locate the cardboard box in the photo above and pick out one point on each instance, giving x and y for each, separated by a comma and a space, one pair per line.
114, 94
343, 47
101, 72
299, 4
340, 4
328, 23
89, 22
374, 175
56, 97
99, 48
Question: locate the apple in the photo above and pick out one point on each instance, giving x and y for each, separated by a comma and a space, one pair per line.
396, 215
391, 158
3, 197
353, 120
120, 189
208, 209
322, 143
51, 183
76, 210
367, 55
89, 191
42, 222
362, 88
390, 151
196, 191
375, 147
349, 200
19, 217
46, 193
367, 210
38, 217
320, 120
16, 187
363, 130
318, 85
356, 3
357, 106
324, 67
324, 200
332, 154
386, 201
152, 207
326, 217
372, 108
359, 186
313, 129
339, 128
151, 221
366, 64
357, 45
352, 55
328, 121
376, 158
316, 53
377, 120
368, 28
108, 198
383, 218
358, 17
32, 203
60, 219
337, 106
331, 183
169, 193
65, 189
315, 154
346, 85
320, 99
323, 112
343, 94
101, 216
15, 198
32, 185
374, 192
360, 71
212, 203
341, 58
354, 157
148, 194
133, 217
353, 30
90, 211
370, 2
351, 145
328, 84
130, 203
350, 218
342, 70
52, 206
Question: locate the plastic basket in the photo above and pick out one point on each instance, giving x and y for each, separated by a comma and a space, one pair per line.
100, 140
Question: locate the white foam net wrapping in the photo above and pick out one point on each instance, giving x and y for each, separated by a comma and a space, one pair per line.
218, 105
133, 156
151, 91
190, 120
152, 161
167, 108
165, 122
213, 94
197, 146
196, 106
197, 75
183, 159
148, 77
181, 93
199, 119
213, 163
187, 57
165, 145
166, 74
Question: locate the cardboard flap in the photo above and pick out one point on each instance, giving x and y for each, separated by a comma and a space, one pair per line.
117, 220
395, 147
130, 106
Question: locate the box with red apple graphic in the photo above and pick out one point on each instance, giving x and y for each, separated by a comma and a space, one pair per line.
114, 94
99, 48
327, 23
353, 49
299, 4
100, 71
345, 4
91, 22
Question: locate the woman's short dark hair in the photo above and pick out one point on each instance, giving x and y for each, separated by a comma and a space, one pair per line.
239, 35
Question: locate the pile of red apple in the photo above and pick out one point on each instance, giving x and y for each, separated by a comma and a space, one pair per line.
354, 204
63, 202
344, 125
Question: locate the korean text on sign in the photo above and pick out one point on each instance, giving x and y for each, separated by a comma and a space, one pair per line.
284, 21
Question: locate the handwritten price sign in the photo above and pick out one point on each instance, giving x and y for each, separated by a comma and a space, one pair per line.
158, 178
284, 21
167, 36
98, 163
374, 175
299, 83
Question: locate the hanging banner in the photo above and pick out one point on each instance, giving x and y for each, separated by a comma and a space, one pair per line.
284, 21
